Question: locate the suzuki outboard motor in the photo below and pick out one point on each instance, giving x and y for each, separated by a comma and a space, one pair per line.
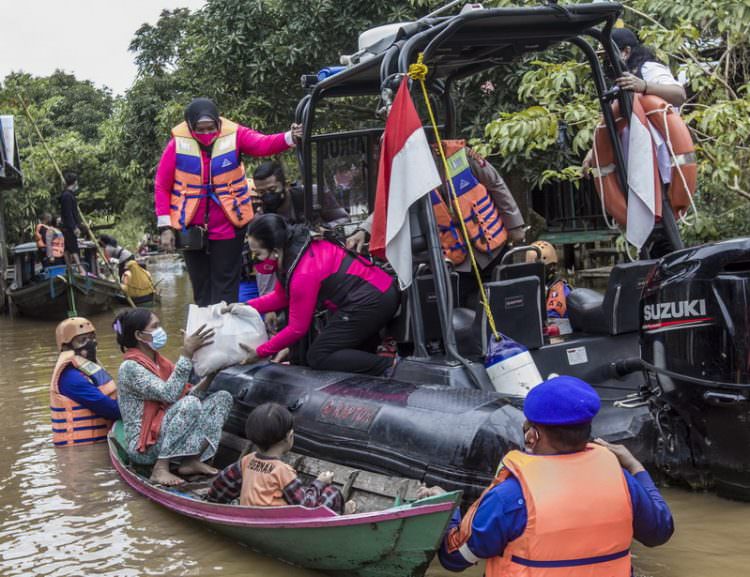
695, 344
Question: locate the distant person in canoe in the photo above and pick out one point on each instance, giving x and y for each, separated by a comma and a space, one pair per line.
312, 273
262, 479
164, 417
564, 503
135, 280
83, 396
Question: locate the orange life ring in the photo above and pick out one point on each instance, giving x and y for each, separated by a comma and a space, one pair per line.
676, 135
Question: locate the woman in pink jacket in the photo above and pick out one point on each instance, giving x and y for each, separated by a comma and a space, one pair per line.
201, 183
314, 274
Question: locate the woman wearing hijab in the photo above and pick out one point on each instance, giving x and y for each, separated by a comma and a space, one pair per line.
646, 74
201, 192
315, 275
166, 418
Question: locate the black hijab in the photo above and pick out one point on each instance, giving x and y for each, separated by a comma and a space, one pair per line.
199, 108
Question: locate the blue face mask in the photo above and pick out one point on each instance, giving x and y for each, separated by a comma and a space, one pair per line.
158, 339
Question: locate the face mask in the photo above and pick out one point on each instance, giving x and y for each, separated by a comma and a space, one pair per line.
87, 351
206, 138
158, 339
272, 200
267, 266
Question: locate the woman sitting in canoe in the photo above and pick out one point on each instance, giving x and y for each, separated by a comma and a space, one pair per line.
262, 479
315, 273
164, 417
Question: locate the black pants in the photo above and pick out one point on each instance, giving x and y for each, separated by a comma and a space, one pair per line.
339, 345
215, 272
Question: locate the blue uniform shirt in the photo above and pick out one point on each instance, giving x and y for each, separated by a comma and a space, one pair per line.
501, 518
77, 386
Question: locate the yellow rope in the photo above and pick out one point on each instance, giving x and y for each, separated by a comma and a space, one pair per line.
418, 71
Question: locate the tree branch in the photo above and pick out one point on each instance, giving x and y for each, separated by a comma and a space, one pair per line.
694, 58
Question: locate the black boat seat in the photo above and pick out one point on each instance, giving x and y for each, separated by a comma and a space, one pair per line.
618, 310
586, 311
515, 307
516, 270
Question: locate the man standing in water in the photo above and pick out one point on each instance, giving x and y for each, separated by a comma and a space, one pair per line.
82, 394
564, 503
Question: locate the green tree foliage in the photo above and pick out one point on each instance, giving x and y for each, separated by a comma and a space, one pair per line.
534, 117
69, 113
544, 121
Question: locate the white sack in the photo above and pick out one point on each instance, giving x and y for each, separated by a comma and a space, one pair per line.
243, 325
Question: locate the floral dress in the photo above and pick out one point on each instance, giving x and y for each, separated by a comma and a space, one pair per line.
191, 425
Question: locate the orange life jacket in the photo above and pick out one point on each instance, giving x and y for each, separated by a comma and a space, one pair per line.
57, 243
579, 517
557, 302
676, 135
228, 183
73, 424
483, 221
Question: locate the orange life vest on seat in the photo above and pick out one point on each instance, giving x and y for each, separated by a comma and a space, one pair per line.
483, 221
557, 301
227, 183
73, 424
672, 128
579, 517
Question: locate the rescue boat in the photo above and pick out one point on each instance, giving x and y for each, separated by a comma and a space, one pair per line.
440, 419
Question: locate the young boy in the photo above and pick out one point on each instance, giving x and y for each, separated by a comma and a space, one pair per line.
262, 479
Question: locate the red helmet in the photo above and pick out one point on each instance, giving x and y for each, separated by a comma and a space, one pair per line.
70, 328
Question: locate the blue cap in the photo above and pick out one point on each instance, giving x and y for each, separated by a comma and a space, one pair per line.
561, 401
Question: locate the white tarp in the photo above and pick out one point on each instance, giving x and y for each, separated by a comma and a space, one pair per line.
243, 325
9, 141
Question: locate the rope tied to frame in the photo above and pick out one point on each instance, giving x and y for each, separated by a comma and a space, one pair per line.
418, 71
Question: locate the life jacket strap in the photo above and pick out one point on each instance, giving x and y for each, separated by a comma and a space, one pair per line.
570, 562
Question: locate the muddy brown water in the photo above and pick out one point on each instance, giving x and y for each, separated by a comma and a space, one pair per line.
65, 513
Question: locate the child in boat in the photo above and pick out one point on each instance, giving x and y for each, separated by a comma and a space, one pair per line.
262, 479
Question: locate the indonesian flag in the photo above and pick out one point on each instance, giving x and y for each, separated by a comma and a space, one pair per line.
644, 182
407, 172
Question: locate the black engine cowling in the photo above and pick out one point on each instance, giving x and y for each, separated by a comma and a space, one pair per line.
695, 341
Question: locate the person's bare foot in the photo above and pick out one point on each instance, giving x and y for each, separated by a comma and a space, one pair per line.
195, 466
161, 476
350, 507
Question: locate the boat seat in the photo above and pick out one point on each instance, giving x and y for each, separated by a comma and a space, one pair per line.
617, 311
514, 305
510, 271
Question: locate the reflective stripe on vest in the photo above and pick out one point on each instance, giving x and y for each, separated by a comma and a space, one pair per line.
228, 184
579, 514
73, 424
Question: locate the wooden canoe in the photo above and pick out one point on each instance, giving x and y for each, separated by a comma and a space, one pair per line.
48, 299
399, 540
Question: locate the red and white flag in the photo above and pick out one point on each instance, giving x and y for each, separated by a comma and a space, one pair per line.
407, 172
644, 182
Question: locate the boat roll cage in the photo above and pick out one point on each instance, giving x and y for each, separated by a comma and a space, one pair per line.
455, 48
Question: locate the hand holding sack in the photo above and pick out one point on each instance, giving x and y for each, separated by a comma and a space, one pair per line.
240, 325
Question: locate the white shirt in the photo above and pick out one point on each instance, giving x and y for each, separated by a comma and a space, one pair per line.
658, 73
